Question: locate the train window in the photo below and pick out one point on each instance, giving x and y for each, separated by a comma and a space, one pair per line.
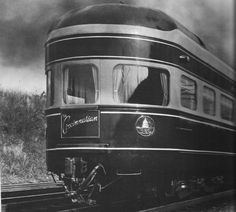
226, 109
50, 88
80, 84
209, 101
188, 93
140, 85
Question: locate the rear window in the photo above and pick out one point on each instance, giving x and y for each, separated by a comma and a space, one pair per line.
80, 84
140, 85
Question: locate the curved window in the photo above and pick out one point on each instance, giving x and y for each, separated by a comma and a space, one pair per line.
188, 93
50, 87
80, 83
140, 85
208, 101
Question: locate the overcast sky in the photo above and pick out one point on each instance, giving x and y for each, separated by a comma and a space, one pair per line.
24, 25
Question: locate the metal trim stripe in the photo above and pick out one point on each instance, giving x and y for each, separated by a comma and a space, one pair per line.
54, 114
167, 115
145, 149
115, 57
119, 37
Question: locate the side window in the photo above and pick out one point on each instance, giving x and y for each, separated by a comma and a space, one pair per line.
226, 108
209, 101
188, 93
50, 88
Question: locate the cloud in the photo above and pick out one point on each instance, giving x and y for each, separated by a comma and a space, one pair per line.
30, 79
23, 27
211, 20
24, 24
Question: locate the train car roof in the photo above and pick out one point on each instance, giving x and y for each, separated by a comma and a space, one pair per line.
122, 14
130, 15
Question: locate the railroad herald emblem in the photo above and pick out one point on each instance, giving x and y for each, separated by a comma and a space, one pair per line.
145, 126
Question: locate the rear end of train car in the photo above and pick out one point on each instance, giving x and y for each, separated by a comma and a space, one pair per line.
122, 100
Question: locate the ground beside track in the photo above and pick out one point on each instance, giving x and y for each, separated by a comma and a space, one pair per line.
224, 201
219, 206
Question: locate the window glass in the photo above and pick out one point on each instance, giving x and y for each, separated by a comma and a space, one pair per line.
140, 85
80, 84
188, 93
50, 88
226, 109
208, 101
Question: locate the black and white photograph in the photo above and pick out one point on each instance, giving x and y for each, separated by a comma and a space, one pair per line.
117, 105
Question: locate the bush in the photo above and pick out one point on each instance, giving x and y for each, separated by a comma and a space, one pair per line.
22, 137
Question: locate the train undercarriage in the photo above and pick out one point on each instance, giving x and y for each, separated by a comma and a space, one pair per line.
91, 181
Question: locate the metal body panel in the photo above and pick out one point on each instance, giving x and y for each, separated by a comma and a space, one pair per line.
116, 128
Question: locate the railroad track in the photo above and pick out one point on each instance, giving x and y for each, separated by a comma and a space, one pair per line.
51, 197
46, 197
19, 197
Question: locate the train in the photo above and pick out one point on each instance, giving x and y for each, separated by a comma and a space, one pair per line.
136, 103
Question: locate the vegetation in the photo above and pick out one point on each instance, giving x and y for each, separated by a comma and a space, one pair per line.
22, 137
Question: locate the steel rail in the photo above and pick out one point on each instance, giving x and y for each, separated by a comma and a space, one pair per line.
27, 186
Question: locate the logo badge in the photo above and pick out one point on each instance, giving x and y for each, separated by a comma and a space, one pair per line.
145, 126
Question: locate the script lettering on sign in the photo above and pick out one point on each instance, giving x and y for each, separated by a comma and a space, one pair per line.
68, 123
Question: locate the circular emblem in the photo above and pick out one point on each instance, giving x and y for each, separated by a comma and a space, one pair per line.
145, 126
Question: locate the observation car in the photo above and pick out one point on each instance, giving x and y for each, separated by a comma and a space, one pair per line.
132, 94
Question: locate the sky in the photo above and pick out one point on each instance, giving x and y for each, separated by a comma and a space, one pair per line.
24, 25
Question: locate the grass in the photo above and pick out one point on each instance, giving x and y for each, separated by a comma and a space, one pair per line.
22, 138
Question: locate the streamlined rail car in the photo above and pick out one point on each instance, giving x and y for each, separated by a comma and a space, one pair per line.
133, 96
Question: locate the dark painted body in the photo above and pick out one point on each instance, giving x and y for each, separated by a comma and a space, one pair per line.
164, 150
